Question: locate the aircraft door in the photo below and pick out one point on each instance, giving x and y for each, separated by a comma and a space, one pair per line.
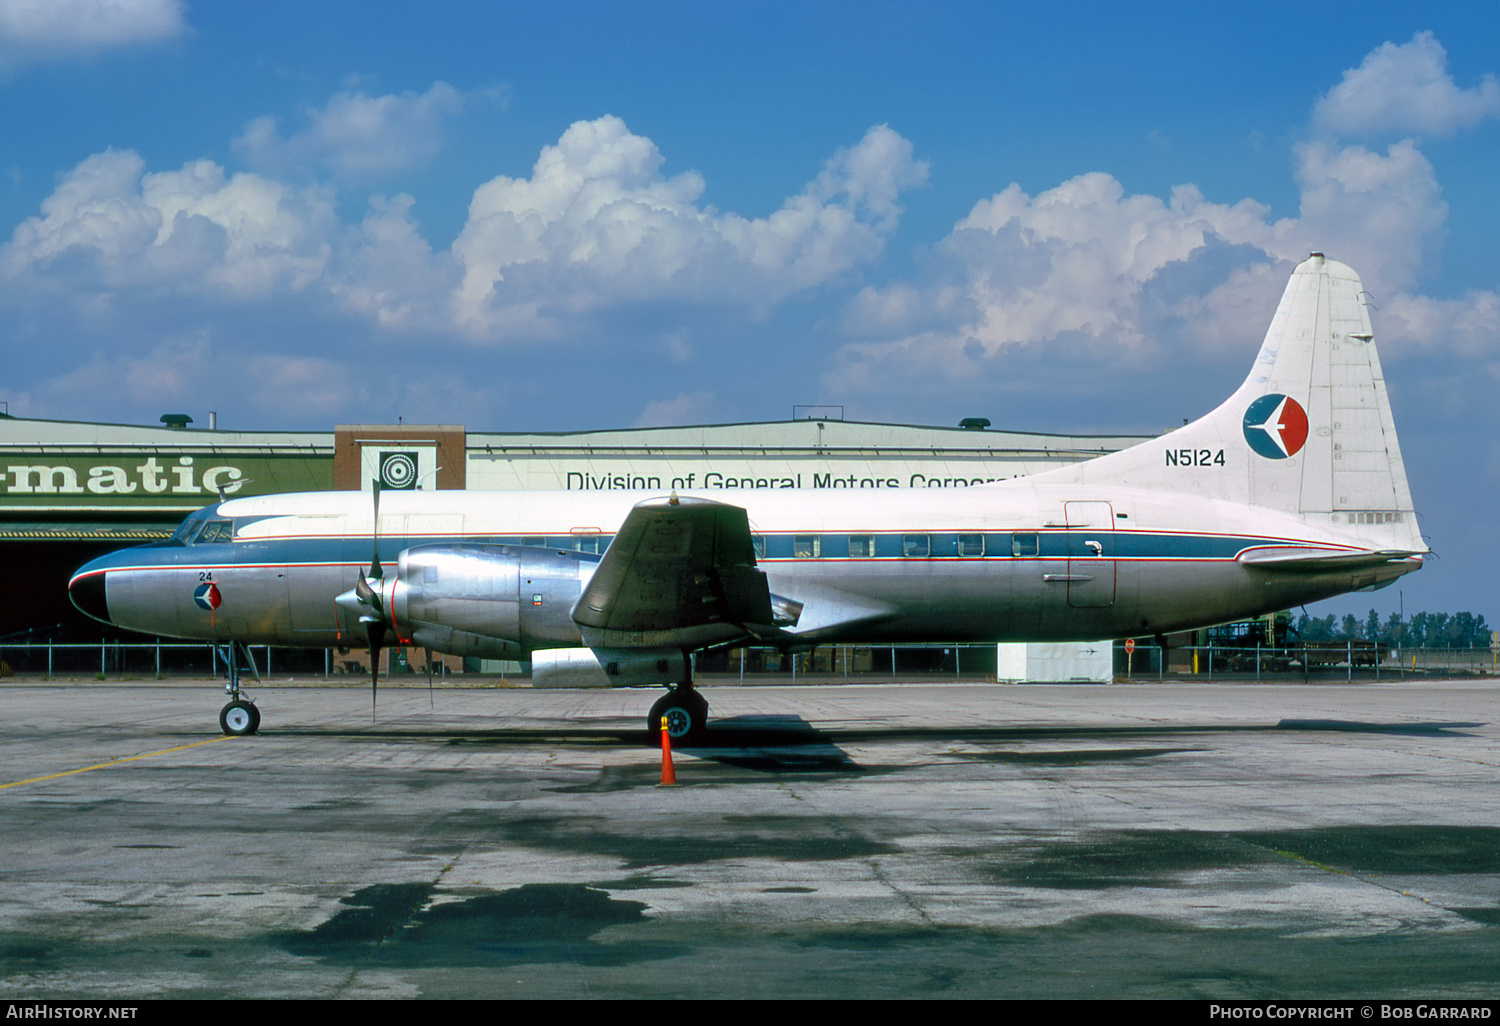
1091, 555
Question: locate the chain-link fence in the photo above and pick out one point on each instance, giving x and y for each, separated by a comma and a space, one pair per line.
1320, 661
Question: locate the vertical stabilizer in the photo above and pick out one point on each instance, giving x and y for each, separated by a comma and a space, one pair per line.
1310, 431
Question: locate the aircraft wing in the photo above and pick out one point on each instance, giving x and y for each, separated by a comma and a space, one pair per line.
680, 572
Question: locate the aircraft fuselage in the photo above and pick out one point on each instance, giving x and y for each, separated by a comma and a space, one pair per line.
1014, 561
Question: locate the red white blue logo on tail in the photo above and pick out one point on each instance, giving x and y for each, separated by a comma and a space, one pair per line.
1276, 426
207, 596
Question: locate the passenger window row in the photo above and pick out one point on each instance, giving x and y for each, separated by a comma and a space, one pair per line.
894, 546
832, 546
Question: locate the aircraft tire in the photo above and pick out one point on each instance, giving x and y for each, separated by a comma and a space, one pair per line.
687, 718
239, 718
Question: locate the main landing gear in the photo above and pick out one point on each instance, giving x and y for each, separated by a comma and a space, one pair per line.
240, 716
686, 712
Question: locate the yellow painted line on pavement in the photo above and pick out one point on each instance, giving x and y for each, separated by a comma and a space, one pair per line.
114, 762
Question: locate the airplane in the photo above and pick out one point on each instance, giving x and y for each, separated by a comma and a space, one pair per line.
1292, 490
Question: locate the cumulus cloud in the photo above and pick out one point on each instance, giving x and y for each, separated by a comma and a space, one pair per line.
1076, 262
387, 270
1385, 211
355, 135
1118, 279
1469, 326
598, 222
34, 31
1405, 88
111, 225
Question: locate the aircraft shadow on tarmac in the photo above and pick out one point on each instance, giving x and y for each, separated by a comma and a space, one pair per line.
779, 731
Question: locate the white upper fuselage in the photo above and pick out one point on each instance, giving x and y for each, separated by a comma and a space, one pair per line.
1017, 560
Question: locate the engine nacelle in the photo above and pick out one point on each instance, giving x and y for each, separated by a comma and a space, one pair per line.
494, 601
609, 667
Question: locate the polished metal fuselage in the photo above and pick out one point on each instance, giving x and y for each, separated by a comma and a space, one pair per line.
1074, 562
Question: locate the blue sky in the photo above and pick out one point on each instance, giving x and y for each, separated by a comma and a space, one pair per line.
1063, 217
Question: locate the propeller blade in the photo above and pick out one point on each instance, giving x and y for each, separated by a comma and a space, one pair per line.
376, 632
375, 572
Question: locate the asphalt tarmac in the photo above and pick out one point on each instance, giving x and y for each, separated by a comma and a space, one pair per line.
1135, 840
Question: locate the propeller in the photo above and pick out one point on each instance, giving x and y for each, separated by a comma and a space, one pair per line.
368, 602
374, 625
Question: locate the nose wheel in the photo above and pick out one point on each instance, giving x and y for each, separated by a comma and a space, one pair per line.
239, 718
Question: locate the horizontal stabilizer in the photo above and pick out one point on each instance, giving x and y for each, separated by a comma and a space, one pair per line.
1305, 559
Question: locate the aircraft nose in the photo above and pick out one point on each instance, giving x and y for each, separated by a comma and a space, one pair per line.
87, 592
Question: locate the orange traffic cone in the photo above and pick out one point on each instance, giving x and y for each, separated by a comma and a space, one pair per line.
668, 772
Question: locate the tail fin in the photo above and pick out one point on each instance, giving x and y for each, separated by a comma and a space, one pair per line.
1309, 432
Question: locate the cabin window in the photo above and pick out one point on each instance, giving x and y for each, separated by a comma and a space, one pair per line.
971, 545
807, 546
916, 546
759, 541
861, 546
1023, 545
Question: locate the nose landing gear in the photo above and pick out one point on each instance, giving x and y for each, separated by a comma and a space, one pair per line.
239, 717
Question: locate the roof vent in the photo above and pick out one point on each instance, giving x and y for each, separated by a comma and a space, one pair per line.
176, 421
974, 423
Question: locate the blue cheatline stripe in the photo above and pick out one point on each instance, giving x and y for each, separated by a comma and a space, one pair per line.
776, 547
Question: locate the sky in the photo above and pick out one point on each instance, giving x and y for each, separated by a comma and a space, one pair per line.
1065, 217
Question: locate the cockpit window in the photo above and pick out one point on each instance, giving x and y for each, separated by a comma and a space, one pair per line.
185, 531
214, 532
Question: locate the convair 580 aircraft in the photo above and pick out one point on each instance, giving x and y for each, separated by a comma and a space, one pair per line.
1292, 490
